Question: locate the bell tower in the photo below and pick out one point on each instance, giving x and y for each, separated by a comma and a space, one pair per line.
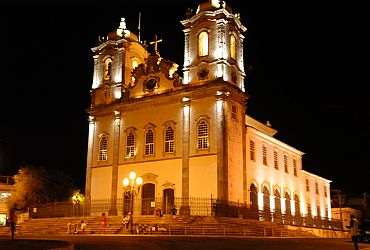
213, 45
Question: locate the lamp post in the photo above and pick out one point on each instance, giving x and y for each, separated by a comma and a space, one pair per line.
132, 186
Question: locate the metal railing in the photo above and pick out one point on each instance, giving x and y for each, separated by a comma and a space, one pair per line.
194, 206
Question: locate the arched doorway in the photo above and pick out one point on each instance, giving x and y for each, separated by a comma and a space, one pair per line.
297, 205
148, 193
277, 201
288, 210
266, 203
253, 196
168, 200
297, 208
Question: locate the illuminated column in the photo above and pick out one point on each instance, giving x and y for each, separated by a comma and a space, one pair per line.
96, 79
185, 209
89, 161
222, 161
117, 123
292, 207
260, 200
244, 133
221, 48
186, 57
282, 202
241, 63
119, 66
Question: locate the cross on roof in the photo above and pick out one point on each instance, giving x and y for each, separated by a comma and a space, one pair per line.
155, 42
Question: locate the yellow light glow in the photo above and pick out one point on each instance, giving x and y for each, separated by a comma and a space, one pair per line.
185, 99
117, 93
125, 182
139, 180
173, 69
218, 3
132, 175
186, 110
203, 44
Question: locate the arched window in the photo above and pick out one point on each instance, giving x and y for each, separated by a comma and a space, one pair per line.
202, 135
130, 145
253, 196
232, 47
149, 142
169, 140
203, 44
103, 148
107, 68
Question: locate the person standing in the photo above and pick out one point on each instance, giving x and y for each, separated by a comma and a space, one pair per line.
12, 227
174, 211
103, 222
83, 226
353, 226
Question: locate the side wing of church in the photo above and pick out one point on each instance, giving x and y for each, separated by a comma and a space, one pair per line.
187, 134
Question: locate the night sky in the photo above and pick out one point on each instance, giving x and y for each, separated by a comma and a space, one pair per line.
308, 74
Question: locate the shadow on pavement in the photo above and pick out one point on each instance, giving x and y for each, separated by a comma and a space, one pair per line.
33, 244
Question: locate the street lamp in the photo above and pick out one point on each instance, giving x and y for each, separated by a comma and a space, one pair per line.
132, 186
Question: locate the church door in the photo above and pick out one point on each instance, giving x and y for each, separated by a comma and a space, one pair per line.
148, 197
168, 200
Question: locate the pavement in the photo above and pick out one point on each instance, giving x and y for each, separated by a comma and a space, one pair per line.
34, 244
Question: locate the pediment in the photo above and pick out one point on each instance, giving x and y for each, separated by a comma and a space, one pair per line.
155, 76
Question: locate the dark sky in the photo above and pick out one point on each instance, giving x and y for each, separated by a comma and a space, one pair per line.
308, 75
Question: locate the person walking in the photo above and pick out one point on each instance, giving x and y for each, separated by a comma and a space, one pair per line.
353, 226
103, 222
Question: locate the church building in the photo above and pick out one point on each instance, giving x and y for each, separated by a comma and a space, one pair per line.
186, 132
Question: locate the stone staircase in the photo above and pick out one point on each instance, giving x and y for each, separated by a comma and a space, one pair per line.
181, 225
59, 226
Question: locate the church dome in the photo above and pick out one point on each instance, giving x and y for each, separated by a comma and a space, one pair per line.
213, 5
123, 32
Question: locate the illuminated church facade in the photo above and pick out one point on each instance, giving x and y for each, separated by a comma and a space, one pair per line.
188, 135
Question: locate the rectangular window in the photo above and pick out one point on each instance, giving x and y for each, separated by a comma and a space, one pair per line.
130, 151
316, 188
130, 145
203, 135
325, 192
264, 155
251, 150
149, 149
169, 142
233, 113
307, 185
295, 167
103, 149
149, 143
286, 164
276, 164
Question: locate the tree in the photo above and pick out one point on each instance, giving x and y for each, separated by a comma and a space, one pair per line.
35, 185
